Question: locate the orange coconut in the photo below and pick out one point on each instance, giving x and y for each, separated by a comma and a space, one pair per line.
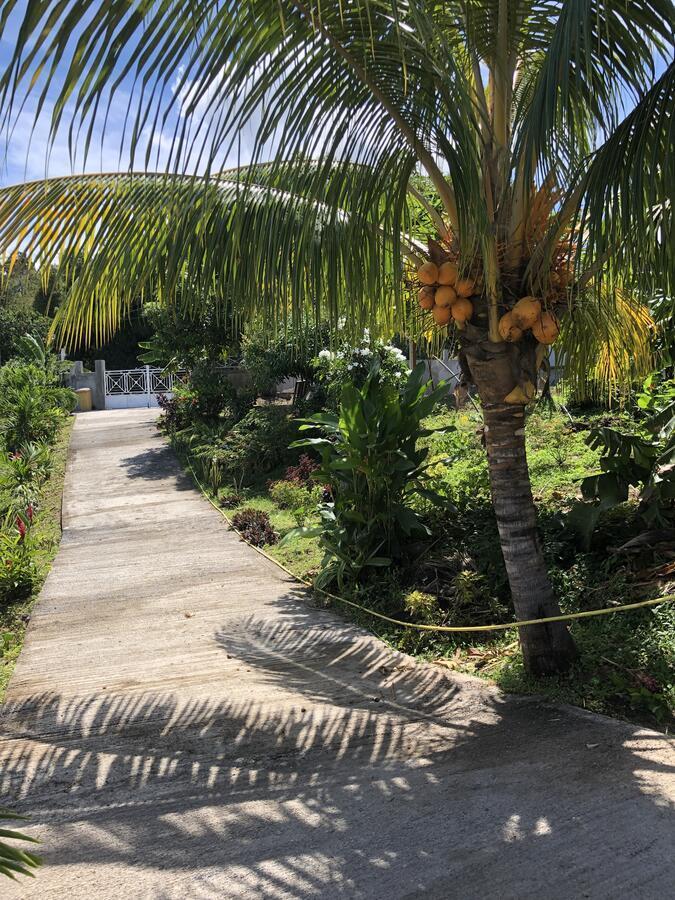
441, 314
426, 298
465, 287
462, 309
447, 273
508, 329
428, 273
526, 312
546, 328
445, 295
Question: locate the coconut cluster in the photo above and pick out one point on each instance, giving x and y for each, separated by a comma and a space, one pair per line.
528, 315
444, 293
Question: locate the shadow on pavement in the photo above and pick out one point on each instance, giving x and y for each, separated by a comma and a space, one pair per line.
346, 770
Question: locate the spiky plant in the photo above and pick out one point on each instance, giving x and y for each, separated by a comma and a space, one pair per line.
544, 131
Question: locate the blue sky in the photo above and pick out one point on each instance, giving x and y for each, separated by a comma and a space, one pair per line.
26, 153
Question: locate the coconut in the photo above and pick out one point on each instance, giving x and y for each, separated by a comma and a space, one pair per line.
445, 295
428, 273
508, 329
462, 309
465, 287
441, 314
426, 298
546, 328
526, 312
447, 273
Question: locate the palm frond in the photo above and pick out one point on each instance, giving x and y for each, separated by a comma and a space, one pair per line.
599, 57
626, 194
261, 249
343, 83
606, 344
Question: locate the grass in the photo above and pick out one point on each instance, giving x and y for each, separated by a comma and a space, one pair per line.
298, 554
46, 534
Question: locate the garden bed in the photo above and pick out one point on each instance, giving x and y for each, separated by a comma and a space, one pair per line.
46, 536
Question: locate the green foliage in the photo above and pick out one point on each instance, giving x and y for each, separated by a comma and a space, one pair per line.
43, 535
288, 354
208, 398
625, 667
644, 460
216, 395
373, 467
242, 452
32, 405
14, 325
20, 284
423, 608
255, 527
288, 495
14, 861
17, 571
22, 474
181, 341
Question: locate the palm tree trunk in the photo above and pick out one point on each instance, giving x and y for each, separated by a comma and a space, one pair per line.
547, 649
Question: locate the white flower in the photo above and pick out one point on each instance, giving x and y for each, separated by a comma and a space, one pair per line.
366, 352
351, 366
397, 374
325, 354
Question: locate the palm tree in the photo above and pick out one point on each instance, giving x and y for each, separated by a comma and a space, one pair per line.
544, 131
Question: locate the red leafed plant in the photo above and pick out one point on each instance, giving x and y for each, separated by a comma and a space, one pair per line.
302, 473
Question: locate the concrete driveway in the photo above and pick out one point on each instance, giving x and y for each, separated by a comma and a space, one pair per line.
182, 724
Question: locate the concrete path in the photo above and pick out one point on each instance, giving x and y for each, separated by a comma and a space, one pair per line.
182, 725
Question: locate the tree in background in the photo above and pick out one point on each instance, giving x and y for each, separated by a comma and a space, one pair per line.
545, 129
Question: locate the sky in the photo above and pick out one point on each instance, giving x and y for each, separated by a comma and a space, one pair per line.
27, 153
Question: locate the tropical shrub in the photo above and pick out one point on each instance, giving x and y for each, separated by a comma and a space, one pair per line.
302, 474
241, 452
22, 473
254, 526
258, 443
216, 397
32, 405
288, 495
17, 565
14, 325
180, 340
643, 460
374, 467
271, 359
354, 365
176, 411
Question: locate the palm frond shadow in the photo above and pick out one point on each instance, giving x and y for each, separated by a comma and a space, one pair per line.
349, 766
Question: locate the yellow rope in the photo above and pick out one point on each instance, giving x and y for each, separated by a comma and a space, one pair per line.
669, 598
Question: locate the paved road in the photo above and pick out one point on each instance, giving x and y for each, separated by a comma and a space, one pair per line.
182, 725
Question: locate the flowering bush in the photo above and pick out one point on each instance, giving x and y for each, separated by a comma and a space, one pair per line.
353, 365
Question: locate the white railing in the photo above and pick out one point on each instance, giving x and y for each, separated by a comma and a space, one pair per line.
139, 387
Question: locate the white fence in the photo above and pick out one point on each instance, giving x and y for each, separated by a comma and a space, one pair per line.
131, 388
